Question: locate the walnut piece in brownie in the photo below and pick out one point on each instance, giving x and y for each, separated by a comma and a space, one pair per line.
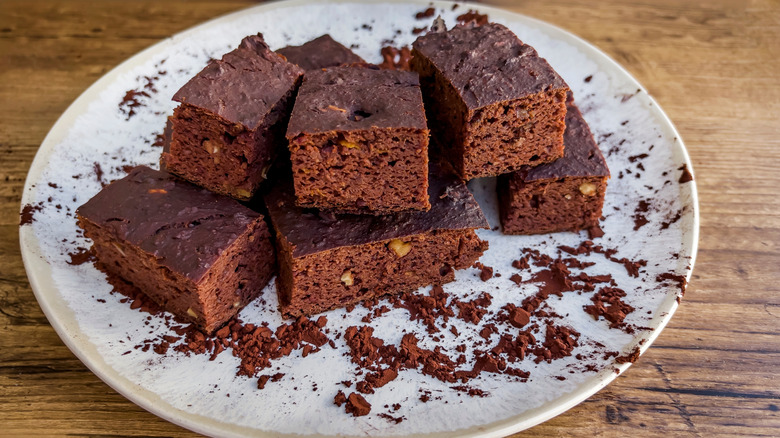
232, 119
321, 52
358, 141
565, 195
494, 104
331, 260
199, 255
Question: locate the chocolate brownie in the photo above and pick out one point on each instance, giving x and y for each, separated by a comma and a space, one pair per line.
232, 119
320, 53
331, 260
567, 194
494, 104
358, 141
199, 255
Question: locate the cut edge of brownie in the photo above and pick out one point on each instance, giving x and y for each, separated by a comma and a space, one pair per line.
358, 141
355, 171
565, 195
405, 250
227, 145
491, 135
348, 275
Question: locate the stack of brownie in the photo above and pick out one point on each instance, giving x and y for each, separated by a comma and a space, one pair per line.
498, 109
357, 207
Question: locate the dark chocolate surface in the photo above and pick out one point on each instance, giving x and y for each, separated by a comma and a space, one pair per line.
357, 98
488, 64
244, 85
183, 225
581, 154
321, 52
310, 231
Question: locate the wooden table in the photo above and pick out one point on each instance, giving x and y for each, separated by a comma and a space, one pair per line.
713, 66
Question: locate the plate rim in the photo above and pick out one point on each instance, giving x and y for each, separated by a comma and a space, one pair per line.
54, 307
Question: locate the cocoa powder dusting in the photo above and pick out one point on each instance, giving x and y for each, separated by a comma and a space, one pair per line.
27, 216
80, 256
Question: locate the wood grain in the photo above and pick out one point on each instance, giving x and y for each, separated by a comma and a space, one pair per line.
712, 65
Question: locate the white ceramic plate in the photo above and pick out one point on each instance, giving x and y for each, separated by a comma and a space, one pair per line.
96, 131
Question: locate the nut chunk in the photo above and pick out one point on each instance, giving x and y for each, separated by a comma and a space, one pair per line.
331, 260
232, 118
199, 255
565, 195
358, 141
494, 104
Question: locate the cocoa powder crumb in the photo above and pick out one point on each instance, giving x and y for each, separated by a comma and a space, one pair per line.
395, 59
473, 18
686, 175
485, 272
628, 358
427, 13
357, 405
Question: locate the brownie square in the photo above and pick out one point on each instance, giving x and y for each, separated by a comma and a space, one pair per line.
565, 195
232, 118
358, 141
321, 52
199, 255
329, 260
494, 104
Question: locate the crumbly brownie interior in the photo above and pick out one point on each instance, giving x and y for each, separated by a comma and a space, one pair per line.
502, 137
222, 156
495, 139
546, 206
342, 276
235, 279
372, 171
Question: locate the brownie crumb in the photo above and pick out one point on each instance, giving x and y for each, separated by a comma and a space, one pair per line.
262, 380
390, 418
595, 232
99, 173
628, 358
679, 279
27, 216
394, 58
159, 141
607, 302
473, 17
588, 78
425, 14
340, 399
639, 214
357, 405
686, 175
81, 256
486, 272
522, 263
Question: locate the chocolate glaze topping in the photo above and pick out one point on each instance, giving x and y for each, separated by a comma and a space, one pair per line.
184, 226
244, 85
319, 53
309, 231
581, 154
357, 98
488, 64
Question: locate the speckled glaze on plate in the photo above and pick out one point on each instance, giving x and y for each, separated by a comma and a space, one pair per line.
97, 132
